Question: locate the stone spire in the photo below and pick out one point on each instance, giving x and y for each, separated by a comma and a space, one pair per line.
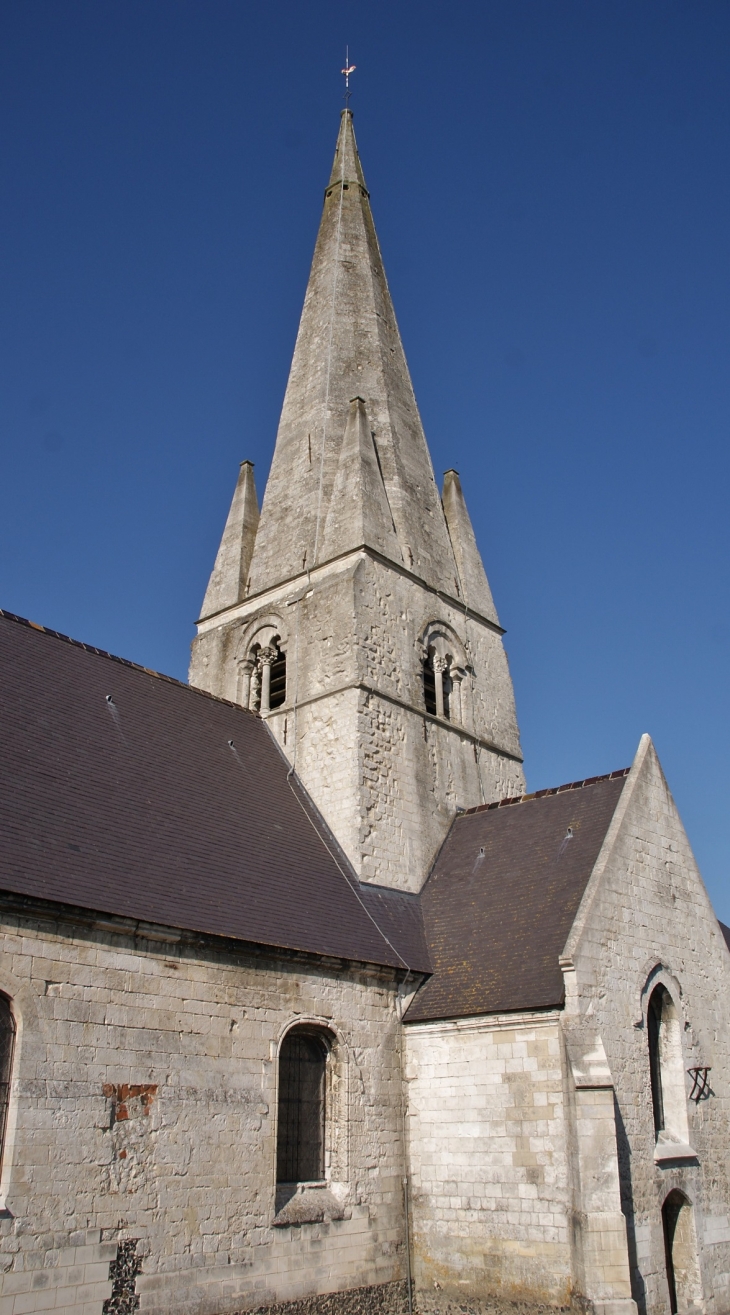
227, 584
348, 345
364, 630
474, 589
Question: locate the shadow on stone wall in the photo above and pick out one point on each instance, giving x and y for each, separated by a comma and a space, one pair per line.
638, 1288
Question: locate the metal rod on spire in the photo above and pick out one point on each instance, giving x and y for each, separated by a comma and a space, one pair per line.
347, 70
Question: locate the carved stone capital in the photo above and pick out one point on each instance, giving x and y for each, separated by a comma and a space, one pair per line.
268, 655
439, 664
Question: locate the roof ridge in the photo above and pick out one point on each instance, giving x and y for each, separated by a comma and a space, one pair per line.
125, 662
541, 794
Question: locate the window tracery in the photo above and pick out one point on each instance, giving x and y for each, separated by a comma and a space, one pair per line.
262, 672
443, 670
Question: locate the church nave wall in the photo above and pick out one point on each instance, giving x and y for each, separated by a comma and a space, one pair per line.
144, 1109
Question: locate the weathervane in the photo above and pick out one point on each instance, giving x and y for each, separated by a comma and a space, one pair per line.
347, 70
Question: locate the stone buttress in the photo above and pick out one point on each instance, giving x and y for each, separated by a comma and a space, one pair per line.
355, 614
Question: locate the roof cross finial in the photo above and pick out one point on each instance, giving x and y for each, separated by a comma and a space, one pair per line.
347, 70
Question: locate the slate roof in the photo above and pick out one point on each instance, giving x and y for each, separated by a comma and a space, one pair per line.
502, 897
133, 794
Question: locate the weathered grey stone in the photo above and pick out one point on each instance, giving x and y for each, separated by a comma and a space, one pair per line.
472, 577
147, 1132
229, 580
357, 570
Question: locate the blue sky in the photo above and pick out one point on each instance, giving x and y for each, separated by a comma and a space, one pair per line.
551, 191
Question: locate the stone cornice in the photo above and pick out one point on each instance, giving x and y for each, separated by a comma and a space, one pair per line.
307, 578
362, 685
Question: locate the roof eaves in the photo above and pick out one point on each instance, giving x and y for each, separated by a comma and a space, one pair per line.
124, 662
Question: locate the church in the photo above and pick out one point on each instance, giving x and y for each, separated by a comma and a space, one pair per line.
306, 1004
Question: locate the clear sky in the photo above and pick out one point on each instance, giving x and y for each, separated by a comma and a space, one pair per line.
551, 188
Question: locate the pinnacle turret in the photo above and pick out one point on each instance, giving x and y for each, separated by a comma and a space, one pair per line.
227, 584
474, 586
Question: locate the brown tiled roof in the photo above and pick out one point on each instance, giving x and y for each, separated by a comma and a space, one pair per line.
129, 793
503, 895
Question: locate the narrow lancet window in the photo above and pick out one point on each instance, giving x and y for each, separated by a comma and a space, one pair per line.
7, 1046
301, 1121
666, 1068
654, 1027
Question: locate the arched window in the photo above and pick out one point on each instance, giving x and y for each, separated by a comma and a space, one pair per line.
263, 677
680, 1252
7, 1045
443, 668
301, 1121
654, 1025
666, 1068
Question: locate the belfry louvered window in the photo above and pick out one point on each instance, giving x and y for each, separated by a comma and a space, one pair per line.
7, 1046
277, 694
429, 685
301, 1122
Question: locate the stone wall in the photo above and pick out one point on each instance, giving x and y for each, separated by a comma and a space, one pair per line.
490, 1193
646, 918
143, 1115
386, 776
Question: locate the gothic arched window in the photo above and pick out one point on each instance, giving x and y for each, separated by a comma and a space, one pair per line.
301, 1113
7, 1045
666, 1067
654, 1024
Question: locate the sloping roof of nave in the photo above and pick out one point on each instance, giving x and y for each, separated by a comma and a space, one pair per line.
133, 794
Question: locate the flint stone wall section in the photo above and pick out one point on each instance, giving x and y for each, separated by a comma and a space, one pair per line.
386, 776
180, 1151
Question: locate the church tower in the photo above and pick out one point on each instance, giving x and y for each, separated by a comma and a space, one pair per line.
354, 613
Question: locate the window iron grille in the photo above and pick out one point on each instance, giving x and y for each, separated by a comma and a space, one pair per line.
701, 1089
